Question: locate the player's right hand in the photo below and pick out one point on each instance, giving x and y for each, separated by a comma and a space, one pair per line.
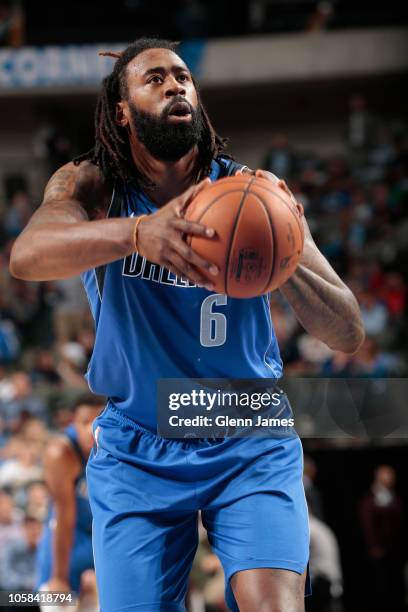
160, 238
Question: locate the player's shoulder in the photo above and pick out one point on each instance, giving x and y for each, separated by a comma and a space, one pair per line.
59, 452
61, 467
83, 182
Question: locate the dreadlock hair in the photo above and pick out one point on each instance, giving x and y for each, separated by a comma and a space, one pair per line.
111, 151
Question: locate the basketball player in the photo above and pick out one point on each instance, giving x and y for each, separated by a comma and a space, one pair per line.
65, 549
115, 215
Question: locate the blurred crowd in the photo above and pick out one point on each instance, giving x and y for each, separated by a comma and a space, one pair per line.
357, 209
22, 21
46, 340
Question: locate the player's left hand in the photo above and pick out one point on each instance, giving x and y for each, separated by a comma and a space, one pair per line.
269, 176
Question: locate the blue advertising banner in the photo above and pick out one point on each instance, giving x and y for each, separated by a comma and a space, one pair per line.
72, 65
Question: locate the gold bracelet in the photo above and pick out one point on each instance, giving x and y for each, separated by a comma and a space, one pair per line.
138, 220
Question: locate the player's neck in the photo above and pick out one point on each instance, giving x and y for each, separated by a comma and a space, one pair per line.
170, 178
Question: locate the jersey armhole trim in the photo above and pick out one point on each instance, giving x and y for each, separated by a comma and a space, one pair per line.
113, 211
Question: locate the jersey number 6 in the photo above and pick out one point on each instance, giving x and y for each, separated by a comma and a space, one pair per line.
213, 325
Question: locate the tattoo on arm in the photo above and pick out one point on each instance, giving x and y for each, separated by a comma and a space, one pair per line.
323, 304
80, 190
61, 185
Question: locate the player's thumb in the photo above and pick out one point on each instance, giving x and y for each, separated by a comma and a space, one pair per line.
201, 186
189, 195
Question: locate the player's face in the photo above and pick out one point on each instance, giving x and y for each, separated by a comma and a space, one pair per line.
161, 107
83, 419
157, 80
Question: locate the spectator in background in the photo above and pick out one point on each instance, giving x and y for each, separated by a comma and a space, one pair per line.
312, 354
60, 147
18, 563
43, 370
86, 339
337, 189
381, 517
360, 128
34, 432
373, 313
9, 337
22, 468
314, 499
371, 361
61, 417
285, 326
383, 151
72, 364
17, 401
17, 214
380, 194
11, 531
394, 295
37, 500
19, 302
280, 159
360, 218
375, 276
398, 172
3, 437
321, 16
12, 23
52, 141
10, 346
10, 526
71, 309
338, 365
325, 567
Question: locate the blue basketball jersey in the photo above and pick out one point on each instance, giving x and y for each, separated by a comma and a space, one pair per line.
151, 324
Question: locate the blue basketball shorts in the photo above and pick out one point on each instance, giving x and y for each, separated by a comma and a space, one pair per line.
81, 558
146, 491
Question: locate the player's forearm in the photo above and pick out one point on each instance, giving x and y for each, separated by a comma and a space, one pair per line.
56, 250
63, 537
329, 313
323, 304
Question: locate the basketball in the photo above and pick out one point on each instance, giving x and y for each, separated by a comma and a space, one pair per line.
259, 234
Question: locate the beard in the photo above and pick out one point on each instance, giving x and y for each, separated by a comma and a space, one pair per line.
167, 141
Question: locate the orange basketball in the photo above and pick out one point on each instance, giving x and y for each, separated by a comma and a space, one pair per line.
259, 234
